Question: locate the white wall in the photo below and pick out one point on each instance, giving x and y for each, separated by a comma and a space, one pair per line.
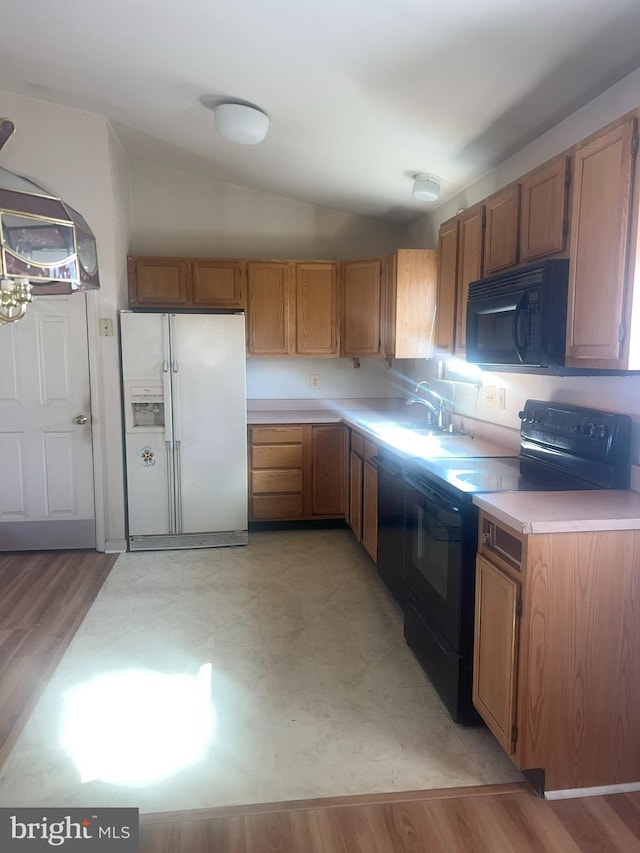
288, 378
613, 103
73, 154
619, 394
182, 214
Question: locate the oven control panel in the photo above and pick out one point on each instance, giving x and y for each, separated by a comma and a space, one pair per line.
604, 436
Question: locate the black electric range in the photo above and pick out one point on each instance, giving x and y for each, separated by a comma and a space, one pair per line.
562, 447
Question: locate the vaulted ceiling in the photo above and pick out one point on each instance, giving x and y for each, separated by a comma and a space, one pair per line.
362, 94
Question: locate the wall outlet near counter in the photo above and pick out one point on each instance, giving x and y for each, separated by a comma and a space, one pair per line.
490, 396
314, 380
502, 398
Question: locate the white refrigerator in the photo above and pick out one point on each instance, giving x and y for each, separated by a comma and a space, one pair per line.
185, 429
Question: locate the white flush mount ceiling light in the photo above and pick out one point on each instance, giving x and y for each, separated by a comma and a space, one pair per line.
426, 187
241, 123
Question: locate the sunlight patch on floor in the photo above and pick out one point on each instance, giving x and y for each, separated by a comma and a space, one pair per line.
137, 727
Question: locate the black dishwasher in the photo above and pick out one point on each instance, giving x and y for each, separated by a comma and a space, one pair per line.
391, 521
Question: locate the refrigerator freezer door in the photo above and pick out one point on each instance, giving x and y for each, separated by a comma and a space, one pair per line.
209, 388
149, 462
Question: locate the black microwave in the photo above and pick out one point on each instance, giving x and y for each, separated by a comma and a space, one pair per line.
519, 318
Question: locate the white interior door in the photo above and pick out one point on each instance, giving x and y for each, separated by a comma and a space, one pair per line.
46, 488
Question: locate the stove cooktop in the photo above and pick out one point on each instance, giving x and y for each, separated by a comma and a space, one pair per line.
501, 474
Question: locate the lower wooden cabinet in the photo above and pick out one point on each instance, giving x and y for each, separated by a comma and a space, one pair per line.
362, 514
297, 472
557, 638
370, 508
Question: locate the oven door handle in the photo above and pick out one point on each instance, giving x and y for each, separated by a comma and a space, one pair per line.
437, 497
380, 464
519, 348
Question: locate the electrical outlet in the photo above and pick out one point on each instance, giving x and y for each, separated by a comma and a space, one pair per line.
106, 327
502, 398
490, 396
314, 380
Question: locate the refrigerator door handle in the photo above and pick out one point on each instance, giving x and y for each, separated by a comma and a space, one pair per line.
175, 381
171, 488
166, 381
178, 489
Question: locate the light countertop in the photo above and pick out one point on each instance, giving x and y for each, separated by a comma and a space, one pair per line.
562, 512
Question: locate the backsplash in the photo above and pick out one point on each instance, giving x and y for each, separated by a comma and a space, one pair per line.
291, 378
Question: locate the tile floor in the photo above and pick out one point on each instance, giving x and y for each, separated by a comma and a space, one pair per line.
310, 689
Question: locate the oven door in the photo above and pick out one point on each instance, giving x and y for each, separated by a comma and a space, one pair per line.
434, 554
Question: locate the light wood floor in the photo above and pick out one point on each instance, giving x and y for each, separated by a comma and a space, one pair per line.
493, 819
44, 596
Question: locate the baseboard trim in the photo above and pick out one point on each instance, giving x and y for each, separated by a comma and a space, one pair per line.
115, 546
596, 791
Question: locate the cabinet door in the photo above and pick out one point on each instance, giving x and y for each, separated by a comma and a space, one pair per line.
219, 284
470, 248
329, 470
447, 277
360, 308
270, 308
159, 282
501, 231
496, 651
316, 309
355, 495
601, 207
414, 294
370, 510
543, 209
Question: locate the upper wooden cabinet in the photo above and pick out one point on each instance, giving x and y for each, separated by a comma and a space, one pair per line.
447, 282
544, 195
316, 309
600, 296
409, 301
159, 282
502, 212
270, 308
184, 283
361, 308
292, 308
220, 283
470, 267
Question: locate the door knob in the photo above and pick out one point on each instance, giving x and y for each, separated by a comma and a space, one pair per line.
80, 419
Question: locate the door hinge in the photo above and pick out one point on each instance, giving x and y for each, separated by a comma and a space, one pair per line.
518, 609
567, 176
565, 227
621, 332
634, 146
514, 733
484, 218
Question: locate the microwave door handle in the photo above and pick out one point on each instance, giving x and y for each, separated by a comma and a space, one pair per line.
519, 348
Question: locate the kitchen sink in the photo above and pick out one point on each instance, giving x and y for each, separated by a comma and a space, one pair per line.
429, 429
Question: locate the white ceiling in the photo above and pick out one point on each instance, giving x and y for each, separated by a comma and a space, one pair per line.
362, 94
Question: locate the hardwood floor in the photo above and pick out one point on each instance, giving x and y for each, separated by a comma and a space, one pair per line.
493, 819
44, 596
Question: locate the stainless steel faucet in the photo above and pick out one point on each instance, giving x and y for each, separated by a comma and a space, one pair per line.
437, 409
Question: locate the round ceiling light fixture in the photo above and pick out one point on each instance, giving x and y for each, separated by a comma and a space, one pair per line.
241, 123
426, 187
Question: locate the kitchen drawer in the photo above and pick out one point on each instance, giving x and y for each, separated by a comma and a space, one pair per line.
276, 456
357, 443
276, 481
276, 507
275, 434
370, 450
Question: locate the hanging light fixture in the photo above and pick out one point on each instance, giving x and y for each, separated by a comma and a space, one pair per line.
45, 245
426, 187
241, 123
